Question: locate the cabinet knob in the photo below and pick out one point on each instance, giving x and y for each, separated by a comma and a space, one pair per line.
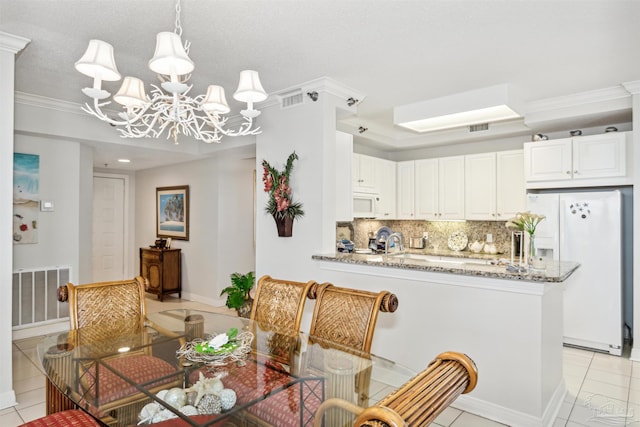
493, 214
568, 172
575, 172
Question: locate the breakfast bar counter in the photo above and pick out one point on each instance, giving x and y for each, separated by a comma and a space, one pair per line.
509, 319
456, 263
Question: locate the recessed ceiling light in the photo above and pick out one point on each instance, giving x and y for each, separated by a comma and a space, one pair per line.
124, 160
485, 105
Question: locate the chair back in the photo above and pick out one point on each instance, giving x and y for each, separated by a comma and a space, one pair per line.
348, 316
280, 303
106, 303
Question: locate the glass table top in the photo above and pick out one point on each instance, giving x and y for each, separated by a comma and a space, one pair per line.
167, 370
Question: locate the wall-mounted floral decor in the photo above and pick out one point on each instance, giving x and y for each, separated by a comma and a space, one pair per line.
281, 204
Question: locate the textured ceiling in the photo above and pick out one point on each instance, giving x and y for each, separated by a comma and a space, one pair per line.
395, 52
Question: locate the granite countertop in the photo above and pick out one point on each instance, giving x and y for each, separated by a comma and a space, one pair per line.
481, 265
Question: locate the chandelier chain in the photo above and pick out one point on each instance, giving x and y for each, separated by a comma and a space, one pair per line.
178, 25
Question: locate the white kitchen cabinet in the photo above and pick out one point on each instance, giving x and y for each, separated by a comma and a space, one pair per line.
451, 187
426, 189
385, 172
579, 162
511, 195
405, 172
480, 186
494, 185
439, 188
363, 172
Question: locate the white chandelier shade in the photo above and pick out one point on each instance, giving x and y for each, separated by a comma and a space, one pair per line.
169, 106
170, 58
99, 63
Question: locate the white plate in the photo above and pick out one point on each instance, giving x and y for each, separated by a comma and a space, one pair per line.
363, 251
457, 241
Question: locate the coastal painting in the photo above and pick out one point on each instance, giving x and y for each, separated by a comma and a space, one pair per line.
26, 199
172, 212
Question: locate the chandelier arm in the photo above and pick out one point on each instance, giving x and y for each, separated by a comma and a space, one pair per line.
215, 121
97, 112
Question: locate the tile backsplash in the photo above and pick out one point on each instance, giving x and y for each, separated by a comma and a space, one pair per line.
359, 230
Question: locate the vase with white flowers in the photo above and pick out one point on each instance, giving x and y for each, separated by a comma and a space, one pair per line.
527, 222
280, 204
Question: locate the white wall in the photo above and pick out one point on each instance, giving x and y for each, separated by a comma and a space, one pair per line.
220, 224
63, 232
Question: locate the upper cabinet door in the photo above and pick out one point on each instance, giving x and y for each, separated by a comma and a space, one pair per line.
451, 187
426, 190
548, 160
599, 156
480, 186
510, 187
405, 190
386, 185
363, 172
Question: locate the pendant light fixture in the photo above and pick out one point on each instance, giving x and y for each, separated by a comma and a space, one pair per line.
169, 108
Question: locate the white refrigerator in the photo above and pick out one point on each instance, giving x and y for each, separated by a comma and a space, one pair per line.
586, 227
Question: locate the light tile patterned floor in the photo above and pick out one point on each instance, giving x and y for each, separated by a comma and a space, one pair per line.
603, 390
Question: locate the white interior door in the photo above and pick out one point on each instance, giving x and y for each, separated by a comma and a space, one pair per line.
108, 228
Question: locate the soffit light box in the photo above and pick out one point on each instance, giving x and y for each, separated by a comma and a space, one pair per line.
491, 104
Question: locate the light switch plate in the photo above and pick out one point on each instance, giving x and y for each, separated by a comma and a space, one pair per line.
489, 238
46, 206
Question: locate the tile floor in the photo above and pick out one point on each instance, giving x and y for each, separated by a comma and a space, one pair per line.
602, 390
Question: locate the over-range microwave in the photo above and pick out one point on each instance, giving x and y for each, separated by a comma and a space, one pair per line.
364, 205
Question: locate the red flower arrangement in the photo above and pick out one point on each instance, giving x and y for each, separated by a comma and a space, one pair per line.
276, 183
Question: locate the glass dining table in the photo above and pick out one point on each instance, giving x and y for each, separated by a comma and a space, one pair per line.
196, 368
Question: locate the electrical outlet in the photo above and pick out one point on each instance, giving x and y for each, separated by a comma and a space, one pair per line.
489, 238
425, 234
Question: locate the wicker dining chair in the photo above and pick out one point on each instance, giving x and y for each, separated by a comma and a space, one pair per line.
104, 310
277, 310
419, 401
348, 316
280, 303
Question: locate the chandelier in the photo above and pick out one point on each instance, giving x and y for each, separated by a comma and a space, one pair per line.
170, 108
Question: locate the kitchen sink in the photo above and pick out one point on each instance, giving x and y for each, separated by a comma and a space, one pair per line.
442, 259
420, 258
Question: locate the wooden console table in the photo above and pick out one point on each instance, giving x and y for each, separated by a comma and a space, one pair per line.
162, 269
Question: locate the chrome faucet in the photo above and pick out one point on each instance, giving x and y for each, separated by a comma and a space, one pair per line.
392, 236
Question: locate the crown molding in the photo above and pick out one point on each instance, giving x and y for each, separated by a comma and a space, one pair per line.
48, 103
590, 97
611, 99
632, 87
12, 43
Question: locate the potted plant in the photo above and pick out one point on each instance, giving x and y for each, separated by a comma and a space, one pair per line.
238, 294
280, 204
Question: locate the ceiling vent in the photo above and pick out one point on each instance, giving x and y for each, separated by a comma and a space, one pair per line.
291, 99
479, 127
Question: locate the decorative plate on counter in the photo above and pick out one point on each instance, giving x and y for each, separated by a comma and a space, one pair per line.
457, 241
383, 234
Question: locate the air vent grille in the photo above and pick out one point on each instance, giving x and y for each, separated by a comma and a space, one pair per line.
291, 99
479, 127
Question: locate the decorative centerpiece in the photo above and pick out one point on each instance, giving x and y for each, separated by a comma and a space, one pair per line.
280, 204
219, 349
527, 222
207, 396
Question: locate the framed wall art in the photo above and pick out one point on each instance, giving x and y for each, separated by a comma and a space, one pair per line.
172, 212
